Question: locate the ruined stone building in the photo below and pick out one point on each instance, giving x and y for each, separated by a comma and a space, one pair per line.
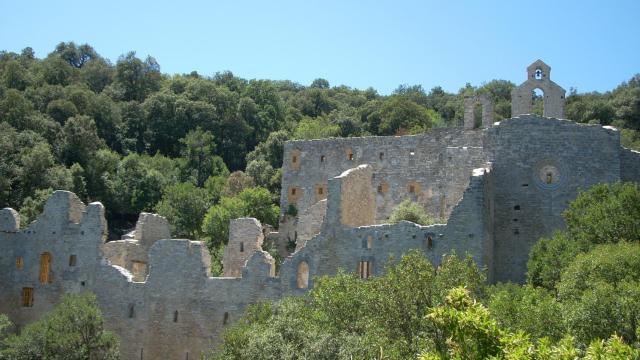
498, 188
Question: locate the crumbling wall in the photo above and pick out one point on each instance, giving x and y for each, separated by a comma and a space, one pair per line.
470, 103
397, 163
356, 199
131, 252
310, 223
245, 237
54, 255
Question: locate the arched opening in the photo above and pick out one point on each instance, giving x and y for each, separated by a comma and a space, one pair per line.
303, 275
538, 75
477, 115
537, 102
45, 268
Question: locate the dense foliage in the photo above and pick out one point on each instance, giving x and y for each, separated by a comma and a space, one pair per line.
587, 307
73, 330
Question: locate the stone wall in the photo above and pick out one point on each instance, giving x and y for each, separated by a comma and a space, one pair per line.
437, 164
538, 166
131, 252
538, 77
245, 237
629, 165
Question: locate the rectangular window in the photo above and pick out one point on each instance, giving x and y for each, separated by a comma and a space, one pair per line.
27, 297
19, 263
45, 268
321, 158
241, 246
381, 156
320, 190
364, 269
72, 260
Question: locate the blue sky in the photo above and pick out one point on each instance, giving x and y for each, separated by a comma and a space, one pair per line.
590, 45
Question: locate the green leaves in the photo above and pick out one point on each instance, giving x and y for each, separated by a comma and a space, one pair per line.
73, 330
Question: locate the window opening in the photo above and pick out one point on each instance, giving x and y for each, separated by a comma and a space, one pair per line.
364, 269
132, 311
517, 207
19, 263
381, 156
241, 246
72, 260
429, 242
303, 275
45, 268
321, 158
175, 316
538, 74
225, 319
27, 297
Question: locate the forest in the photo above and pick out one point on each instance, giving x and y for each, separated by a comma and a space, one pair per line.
203, 149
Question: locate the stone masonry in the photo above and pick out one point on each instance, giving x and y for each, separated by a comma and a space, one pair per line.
498, 188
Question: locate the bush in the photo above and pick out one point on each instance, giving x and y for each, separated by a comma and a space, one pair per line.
411, 211
73, 330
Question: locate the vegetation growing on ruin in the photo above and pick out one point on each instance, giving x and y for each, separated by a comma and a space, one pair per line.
408, 210
182, 145
582, 300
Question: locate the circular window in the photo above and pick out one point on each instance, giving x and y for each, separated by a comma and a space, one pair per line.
548, 175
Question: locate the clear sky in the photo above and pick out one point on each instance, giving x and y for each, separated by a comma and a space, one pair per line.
590, 45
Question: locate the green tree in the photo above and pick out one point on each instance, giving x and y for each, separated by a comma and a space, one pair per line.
201, 163
33, 205
79, 140
184, 206
600, 292
60, 110
136, 79
605, 213
315, 128
73, 330
251, 202
525, 308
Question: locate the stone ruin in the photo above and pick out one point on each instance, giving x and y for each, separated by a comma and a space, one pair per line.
497, 188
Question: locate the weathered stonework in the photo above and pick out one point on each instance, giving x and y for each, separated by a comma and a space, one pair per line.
538, 77
470, 103
245, 238
132, 251
498, 188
